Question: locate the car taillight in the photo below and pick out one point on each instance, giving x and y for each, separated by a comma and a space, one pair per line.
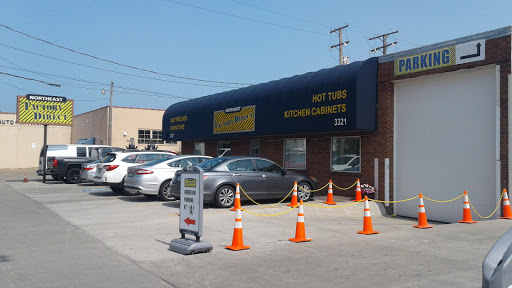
111, 167
88, 168
55, 163
143, 171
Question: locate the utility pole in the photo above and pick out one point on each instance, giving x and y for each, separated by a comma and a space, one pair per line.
385, 45
109, 129
340, 44
110, 114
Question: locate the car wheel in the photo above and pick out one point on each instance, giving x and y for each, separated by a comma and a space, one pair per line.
225, 197
304, 194
118, 190
73, 176
165, 191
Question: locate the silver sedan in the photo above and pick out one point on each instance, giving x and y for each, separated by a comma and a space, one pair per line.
87, 171
153, 178
260, 178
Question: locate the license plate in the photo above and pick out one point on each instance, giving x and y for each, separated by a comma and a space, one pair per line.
130, 174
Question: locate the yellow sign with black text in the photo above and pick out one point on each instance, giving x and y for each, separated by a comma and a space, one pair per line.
235, 119
425, 61
45, 110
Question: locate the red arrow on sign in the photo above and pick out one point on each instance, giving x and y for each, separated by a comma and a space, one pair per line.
190, 221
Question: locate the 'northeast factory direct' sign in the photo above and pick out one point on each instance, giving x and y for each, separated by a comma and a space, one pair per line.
44, 109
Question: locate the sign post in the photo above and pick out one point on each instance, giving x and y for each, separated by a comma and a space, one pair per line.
191, 214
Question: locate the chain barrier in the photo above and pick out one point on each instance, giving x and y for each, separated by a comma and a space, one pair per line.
397, 201
264, 204
269, 215
496, 209
306, 190
350, 204
344, 188
337, 206
445, 201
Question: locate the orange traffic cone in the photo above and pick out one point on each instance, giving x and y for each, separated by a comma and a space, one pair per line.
466, 212
367, 223
294, 203
300, 230
330, 200
25, 180
238, 238
358, 192
422, 216
507, 212
238, 205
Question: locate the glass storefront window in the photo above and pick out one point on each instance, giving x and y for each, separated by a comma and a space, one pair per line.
295, 154
199, 148
223, 149
346, 154
144, 136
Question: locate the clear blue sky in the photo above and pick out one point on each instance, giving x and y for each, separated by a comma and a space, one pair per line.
237, 41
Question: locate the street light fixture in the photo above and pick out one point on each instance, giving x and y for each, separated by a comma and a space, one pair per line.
109, 130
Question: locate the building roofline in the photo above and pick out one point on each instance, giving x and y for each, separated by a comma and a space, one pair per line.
116, 107
500, 32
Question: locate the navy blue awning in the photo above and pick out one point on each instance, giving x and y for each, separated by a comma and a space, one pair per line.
342, 98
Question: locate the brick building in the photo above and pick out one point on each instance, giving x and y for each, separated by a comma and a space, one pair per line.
431, 120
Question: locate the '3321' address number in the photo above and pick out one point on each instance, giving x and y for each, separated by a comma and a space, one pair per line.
340, 121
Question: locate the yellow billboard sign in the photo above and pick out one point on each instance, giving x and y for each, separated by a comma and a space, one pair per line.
44, 109
425, 61
232, 120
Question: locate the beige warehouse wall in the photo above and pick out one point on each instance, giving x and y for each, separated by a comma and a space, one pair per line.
124, 120
21, 144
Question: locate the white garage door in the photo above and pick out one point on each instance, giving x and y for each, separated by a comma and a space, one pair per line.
445, 143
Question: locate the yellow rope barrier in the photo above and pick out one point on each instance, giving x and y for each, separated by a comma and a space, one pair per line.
306, 190
344, 188
446, 201
397, 201
337, 206
496, 209
264, 204
269, 215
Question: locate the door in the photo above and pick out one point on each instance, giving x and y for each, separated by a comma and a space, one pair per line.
244, 172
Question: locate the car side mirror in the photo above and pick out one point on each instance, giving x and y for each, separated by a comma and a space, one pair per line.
284, 171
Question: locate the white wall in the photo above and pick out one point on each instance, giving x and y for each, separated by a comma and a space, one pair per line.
445, 142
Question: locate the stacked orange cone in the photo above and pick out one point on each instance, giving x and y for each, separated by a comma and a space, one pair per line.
238, 238
300, 230
330, 200
25, 180
367, 223
294, 203
422, 216
507, 212
238, 205
358, 192
466, 213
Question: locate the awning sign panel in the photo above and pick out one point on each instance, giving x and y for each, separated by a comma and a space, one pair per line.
233, 120
45, 110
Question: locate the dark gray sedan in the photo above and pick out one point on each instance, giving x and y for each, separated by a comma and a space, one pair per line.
260, 178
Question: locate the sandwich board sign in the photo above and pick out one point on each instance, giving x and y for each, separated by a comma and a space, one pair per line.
191, 213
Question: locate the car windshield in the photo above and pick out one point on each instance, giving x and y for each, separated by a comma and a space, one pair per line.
157, 161
209, 164
109, 158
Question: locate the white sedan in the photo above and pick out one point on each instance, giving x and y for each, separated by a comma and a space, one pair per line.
154, 178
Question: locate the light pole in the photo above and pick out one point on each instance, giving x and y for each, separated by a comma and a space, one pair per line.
109, 130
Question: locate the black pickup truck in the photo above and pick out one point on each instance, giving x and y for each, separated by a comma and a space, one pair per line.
68, 168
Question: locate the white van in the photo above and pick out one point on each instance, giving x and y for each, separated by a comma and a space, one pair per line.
69, 150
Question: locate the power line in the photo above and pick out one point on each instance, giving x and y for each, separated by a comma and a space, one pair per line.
21, 77
279, 13
245, 18
112, 71
385, 45
120, 64
22, 89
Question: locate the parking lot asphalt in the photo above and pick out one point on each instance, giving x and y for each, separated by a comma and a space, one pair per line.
81, 235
